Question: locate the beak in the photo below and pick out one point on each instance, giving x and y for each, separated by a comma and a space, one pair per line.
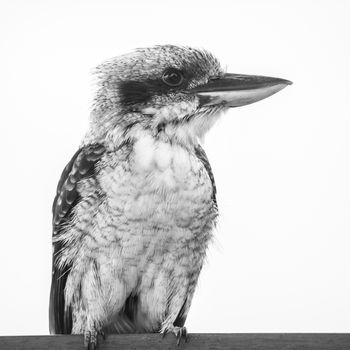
235, 90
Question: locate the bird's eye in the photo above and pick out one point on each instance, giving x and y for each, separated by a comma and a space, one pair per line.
172, 77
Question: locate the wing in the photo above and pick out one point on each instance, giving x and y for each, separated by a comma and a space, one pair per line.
82, 165
199, 151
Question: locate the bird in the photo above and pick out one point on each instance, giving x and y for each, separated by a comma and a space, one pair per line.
135, 208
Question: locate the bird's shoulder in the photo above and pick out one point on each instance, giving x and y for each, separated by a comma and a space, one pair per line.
81, 166
202, 157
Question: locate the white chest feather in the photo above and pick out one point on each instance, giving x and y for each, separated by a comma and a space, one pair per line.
158, 184
154, 221
168, 164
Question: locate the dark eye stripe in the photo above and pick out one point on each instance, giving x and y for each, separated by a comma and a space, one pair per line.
133, 93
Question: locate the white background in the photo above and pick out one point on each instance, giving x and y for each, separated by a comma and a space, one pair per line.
280, 261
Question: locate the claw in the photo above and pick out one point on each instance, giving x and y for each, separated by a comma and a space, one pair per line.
185, 334
180, 332
92, 346
87, 336
90, 340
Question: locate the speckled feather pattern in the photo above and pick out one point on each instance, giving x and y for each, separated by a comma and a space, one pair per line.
142, 208
142, 227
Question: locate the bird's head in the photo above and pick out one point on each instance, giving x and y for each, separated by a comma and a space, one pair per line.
171, 92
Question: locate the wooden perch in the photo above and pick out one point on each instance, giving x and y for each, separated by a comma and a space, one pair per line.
220, 341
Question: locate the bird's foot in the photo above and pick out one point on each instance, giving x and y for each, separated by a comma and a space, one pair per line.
179, 332
91, 339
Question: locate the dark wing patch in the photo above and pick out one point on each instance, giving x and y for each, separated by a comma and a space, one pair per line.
199, 151
82, 165
181, 317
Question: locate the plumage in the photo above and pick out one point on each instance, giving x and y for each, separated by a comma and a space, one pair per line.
136, 206
81, 166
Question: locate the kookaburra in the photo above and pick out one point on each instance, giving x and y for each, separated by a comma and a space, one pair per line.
135, 207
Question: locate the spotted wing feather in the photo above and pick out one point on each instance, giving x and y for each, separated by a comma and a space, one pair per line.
82, 165
201, 155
